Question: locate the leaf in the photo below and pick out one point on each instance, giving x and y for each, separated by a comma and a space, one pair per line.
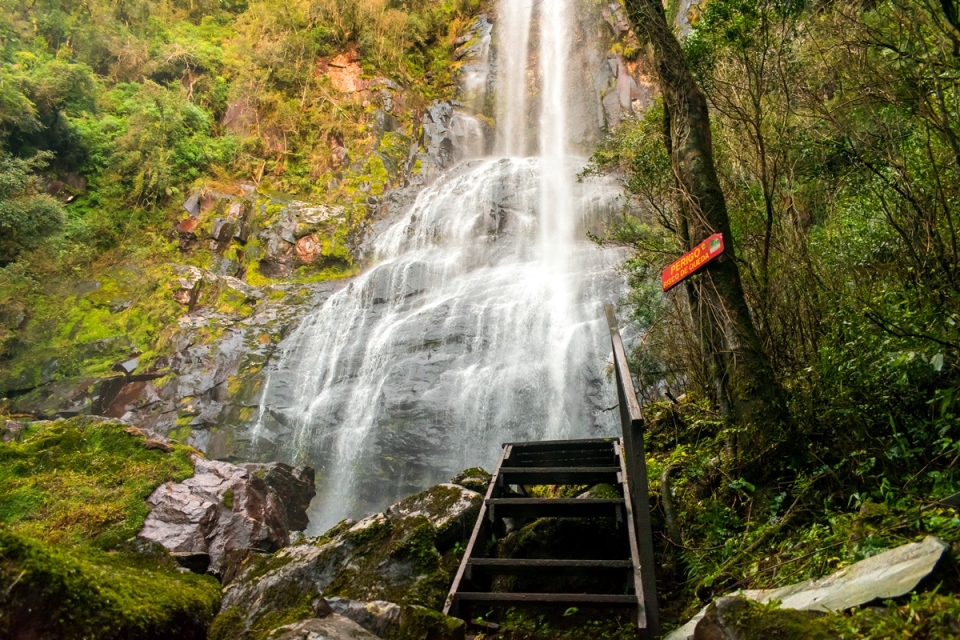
937, 362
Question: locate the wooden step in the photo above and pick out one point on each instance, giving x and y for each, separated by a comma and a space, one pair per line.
591, 444
595, 599
559, 475
517, 567
572, 458
554, 507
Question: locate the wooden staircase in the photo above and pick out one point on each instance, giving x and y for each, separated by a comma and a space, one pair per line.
624, 581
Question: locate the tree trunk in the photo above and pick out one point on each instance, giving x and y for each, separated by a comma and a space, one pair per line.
741, 370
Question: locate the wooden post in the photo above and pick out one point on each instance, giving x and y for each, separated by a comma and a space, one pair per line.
631, 421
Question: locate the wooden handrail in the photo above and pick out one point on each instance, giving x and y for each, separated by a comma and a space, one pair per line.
624, 379
631, 422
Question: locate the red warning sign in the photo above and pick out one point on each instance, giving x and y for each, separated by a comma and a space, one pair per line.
692, 261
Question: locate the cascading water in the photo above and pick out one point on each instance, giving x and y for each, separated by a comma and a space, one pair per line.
481, 321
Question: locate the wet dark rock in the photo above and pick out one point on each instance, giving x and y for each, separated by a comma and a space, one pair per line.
385, 122
186, 288
223, 232
192, 204
294, 486
475, 78
63, 398
192, 561
127, 366
186, 234
221, 508
449, 135
281, 237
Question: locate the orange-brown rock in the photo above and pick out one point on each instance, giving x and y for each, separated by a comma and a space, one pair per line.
308, 249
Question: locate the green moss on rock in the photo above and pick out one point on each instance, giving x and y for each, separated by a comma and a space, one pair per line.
72, 495
420, 623
85, 593
83, 481
57, 593
474, 478
394, 561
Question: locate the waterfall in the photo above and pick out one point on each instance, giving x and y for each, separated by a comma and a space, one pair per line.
514, 30
481, 319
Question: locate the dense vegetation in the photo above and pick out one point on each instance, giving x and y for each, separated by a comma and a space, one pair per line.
834, 129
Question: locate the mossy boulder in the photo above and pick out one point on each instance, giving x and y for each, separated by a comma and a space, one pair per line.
474, 478
397, 556
67, 593
83, 481
451, 509
72, 497
736, 618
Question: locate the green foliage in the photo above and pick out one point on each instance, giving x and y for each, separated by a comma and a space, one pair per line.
840, 167
121, 109
162, 141
26, 217
837, 509
83, 330
147, 99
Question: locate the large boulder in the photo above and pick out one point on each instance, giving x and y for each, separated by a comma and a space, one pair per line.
402, 556
451, 509
295, 486
224, 507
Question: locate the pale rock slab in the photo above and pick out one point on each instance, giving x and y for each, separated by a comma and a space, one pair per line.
886, 575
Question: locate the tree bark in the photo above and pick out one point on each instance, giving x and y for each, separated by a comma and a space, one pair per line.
743, 378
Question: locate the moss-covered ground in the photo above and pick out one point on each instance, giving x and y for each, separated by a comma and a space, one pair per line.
816, 518
82, 482
928, 616
72, 499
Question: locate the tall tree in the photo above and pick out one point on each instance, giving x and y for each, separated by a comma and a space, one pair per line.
746, 389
